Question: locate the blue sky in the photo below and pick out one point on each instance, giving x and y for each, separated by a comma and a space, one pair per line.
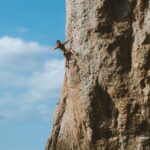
31, 76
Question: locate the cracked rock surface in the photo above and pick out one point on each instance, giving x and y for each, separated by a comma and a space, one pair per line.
105, 102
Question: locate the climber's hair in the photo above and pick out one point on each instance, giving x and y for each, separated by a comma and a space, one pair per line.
58, 41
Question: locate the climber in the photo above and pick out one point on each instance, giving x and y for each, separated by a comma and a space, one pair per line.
67, 53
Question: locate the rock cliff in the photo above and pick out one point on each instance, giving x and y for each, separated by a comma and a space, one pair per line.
105, 102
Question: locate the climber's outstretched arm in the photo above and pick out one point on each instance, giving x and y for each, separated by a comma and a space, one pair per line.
51, 48
68, 41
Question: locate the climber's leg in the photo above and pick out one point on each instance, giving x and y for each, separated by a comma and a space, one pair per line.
67, 60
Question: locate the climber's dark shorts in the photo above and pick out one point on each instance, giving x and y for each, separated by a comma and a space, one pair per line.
67, 55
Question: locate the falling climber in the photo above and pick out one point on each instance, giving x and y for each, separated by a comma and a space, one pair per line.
67, 53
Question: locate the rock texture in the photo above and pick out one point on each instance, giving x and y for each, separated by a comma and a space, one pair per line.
105, 103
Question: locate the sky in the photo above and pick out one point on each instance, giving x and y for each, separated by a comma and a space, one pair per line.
31, 76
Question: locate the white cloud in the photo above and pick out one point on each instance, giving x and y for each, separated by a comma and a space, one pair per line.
15, 46
29, 78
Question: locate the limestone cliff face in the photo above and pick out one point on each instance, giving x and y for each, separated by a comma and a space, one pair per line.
105, 103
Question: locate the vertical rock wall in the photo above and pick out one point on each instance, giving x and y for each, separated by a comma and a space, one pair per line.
105, 103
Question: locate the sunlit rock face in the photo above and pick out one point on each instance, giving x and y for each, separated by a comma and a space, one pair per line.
105, 102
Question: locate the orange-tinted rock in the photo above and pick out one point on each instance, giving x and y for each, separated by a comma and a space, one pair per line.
105, 103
